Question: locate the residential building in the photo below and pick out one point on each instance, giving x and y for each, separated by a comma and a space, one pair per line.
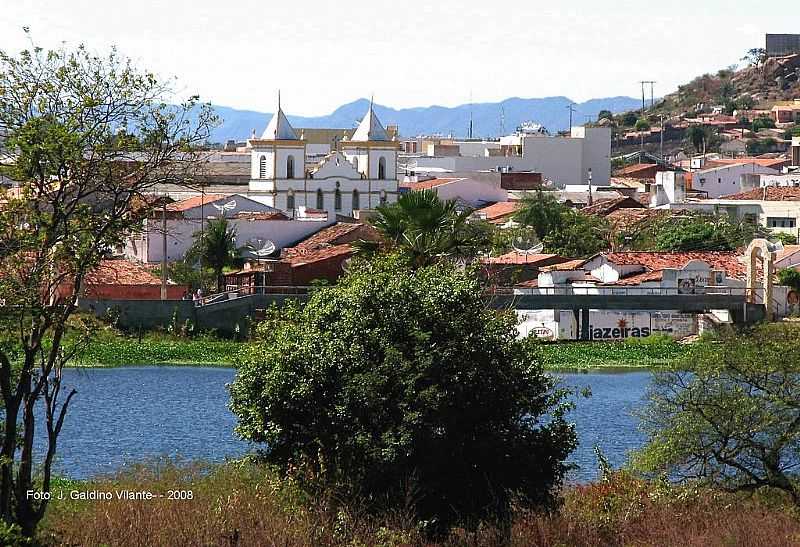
123, 280
782, 44
471, 191
361, 174
786, 112
561, 160
257, 225
714, 182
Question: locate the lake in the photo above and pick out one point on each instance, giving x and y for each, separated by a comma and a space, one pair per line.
133, 413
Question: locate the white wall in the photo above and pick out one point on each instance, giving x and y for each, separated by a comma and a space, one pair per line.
726, 181
180, 235
472, 191
606, 324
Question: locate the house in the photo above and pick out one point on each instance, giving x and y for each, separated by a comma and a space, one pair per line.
622, 272
499, 213
605, 207
786, 112
515, 267
645, 171
723, 180
322, 256
256, 224
124, 280
470, 190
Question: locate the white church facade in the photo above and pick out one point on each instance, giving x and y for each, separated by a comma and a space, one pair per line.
361, 175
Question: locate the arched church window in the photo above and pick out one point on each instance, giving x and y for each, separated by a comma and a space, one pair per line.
356, 200
290, 167
290, 200
320, 199
355, 162
383, 197
337, 200
382, 169
262, 167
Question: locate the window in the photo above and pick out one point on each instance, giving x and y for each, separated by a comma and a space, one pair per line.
337, 200
320, 199
382, 169
719, 180
290, 167
383, 197
781, 222
262, 167
290, 200
356, 200
702, 182
355, 162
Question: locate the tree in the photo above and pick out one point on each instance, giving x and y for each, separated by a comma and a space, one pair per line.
89, 136
540, 211
789, 277
578, 235
605, 115
642, 125
696, 135
784, 237
730, 415
763, 122
425, 229
701, 232
399, 386
745, 102
755, 57
216, 248
629, 119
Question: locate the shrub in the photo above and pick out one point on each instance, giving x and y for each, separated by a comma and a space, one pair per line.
402, 387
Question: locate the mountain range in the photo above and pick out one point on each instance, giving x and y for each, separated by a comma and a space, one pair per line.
488, 119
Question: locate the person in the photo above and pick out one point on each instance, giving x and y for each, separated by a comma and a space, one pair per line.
199, 296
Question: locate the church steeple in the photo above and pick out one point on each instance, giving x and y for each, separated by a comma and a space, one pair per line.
370, 128
279, 128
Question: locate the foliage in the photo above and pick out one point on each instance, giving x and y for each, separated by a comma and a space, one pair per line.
755, 57
784, 237
629, 119
763, 122
633, 352
733, 418
696, 232
216, 248
605, 114
760, 146
159, 350
642, 125
789, 277
702, 138
183, 273
401, 385
578, 235
90, 135
425, 230
540, 211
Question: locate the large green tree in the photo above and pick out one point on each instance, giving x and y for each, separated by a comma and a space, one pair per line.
401, 386
88, 136
730, 415
693, 232
540, 211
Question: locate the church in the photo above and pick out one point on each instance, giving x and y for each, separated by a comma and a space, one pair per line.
359, 175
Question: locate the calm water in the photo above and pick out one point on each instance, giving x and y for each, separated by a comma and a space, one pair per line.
128, 414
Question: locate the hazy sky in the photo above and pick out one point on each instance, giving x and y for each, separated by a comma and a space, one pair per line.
323, 53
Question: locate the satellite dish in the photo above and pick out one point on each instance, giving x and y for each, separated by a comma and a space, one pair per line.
526, 246
225, 207
263, 248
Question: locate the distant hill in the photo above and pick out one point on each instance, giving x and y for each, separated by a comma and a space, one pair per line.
550, 112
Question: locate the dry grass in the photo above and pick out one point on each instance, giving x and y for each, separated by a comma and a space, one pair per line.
247, 505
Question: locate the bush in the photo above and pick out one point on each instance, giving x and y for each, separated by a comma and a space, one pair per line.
401, 387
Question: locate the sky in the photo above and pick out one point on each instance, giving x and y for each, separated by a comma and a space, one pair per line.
324, 53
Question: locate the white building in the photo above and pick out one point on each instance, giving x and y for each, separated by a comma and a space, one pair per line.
563, 160
256, 225
728, 179
359, 176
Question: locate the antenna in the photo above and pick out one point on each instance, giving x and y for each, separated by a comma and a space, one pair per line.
502, 120
644, 82
470, 115
225, 207
279, 99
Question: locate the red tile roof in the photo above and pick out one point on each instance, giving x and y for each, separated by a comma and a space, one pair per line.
330, 236
570, 265
499, 211
318, 255
639, 170
768, 193
605, 207
121, 272
433, 183
197, 201
775, 163
718, 260
266, 215
523, 259
638, 279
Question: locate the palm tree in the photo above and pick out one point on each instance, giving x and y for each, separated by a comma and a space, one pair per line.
215, 248
425, 229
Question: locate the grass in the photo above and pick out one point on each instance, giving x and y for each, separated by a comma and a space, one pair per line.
152, 349
245, 504
630, 354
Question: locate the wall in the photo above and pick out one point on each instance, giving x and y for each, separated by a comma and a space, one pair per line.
181, 235
133, 292
472, 191
606, 324
726, 181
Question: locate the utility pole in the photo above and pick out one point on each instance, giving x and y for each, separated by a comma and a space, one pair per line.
164, 255
642, 82
661, 143
571, 108
590, 186
652, 99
